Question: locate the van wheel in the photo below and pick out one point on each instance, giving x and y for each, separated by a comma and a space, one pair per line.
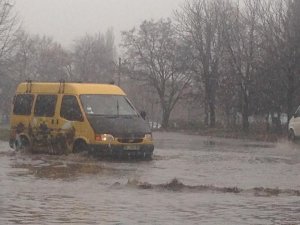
80, 146
291, 135
23, 144
148, 157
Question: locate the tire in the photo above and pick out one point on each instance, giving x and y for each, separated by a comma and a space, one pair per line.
23, 144
80, 146
291, 135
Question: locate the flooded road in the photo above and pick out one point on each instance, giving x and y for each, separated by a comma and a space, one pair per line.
191, 180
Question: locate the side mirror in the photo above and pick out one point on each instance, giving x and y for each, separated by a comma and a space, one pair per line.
296, 114
143, 114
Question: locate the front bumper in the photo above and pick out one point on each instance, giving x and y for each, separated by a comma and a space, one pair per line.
122, 151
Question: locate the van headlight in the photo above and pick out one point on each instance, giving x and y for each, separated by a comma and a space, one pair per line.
148, 137
104, 137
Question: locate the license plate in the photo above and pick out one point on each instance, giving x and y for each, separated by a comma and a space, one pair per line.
131, 147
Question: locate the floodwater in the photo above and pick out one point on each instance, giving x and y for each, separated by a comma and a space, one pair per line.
191, 180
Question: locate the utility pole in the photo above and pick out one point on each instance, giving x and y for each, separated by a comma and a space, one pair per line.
119, 71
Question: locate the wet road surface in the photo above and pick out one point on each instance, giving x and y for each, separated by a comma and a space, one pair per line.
191, 180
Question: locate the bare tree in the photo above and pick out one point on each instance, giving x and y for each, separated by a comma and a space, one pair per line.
228, 93
201, 27
23, 55
39, 58
51, 60
94, 57
281, 44
8, 26
157, 57
242, 44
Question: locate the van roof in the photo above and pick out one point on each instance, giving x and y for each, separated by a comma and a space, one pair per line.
69, 88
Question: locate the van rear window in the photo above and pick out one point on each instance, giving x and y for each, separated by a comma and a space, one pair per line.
45, 105
23, 104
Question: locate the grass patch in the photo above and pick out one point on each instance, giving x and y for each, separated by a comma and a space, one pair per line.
4, 134
257, 132
238, 134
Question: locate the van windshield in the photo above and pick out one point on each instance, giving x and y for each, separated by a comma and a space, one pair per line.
107, 105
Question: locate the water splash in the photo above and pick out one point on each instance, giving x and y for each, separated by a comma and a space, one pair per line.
177, 186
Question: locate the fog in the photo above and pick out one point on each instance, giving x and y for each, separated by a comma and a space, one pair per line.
70, 19
188, 62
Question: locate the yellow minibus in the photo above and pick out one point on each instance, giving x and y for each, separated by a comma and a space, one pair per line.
62, 117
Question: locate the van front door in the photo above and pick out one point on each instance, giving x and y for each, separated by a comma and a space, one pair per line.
71, 121
43, 122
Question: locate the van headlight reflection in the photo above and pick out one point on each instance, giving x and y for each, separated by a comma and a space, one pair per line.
104, 137
148, 137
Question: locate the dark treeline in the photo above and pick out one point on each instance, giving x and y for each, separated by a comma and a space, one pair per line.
231, 59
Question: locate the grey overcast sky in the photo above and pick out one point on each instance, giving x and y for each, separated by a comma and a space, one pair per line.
66, 20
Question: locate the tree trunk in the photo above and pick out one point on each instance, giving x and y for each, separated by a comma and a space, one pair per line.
206, 114
290, 96
212, 113
245, 118
278, 122
267, 122
206, 105
211, 100
165, 118
227, 114
245, 111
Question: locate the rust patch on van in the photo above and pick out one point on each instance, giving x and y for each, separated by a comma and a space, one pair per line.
20, 128
47, 140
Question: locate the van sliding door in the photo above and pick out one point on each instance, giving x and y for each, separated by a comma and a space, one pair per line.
43, 121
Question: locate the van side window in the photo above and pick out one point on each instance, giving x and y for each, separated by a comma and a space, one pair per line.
45, 105
23, 104
70, 109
